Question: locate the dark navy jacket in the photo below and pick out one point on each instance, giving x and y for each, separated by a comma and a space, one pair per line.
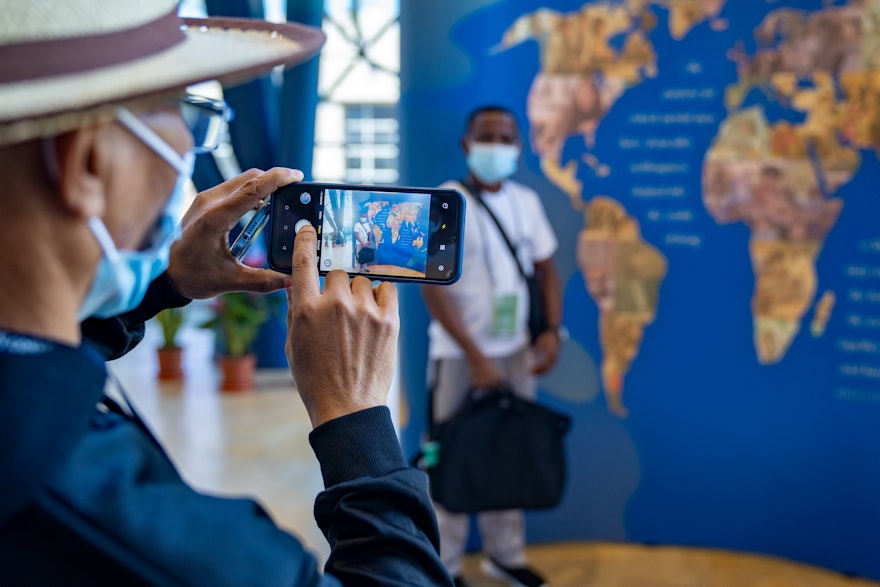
87, 496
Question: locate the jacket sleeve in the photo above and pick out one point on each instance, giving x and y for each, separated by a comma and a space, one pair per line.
375, 510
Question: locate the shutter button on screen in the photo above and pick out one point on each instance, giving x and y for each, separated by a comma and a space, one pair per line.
300, 225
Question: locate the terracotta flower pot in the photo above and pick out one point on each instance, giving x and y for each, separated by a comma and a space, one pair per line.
170, 363
238, 372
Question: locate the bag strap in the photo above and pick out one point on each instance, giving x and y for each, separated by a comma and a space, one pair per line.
471, 187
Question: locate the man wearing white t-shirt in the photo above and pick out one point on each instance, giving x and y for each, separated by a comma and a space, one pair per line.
363, 235
478, 333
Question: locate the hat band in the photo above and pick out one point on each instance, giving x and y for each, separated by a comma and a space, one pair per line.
39, 59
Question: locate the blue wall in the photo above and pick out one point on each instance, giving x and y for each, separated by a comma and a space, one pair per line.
719, 449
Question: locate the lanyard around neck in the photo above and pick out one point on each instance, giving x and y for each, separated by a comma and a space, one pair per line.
475, 192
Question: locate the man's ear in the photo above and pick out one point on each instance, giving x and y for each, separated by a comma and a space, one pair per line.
78, 179
465, 145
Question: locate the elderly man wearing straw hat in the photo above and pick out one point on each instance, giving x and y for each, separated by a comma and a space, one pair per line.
95, 146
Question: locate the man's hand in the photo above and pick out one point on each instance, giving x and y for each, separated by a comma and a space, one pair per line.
484, 373
341, 343
201, 265
546, 350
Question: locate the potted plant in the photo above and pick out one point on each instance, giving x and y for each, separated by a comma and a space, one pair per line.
237, 321
169, 354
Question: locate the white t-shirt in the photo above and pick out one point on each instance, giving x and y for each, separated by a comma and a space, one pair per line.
488, 268
362, 234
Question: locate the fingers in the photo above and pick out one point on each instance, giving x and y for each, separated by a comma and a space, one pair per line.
337, 281
546, 355
304, 283
361, 287
256, 189
261, 280
386, 297
304, 279
209, 198
489, 384
383, 296
486, 376
201, 265
540, 367
230, 185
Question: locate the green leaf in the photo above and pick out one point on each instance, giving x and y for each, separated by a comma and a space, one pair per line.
239, 316
170, 321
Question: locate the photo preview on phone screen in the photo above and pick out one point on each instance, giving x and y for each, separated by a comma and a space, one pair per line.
382, 232
378, 233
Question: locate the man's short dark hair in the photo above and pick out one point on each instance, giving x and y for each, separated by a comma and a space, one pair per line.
487, 109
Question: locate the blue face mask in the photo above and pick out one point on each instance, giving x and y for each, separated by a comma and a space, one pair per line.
123, 276
492, 162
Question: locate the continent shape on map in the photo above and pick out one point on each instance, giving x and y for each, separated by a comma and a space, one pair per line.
623, 275
589, 58
685, 14
584, 70
780, 178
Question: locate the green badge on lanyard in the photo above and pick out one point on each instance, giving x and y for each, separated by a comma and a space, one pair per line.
504, 314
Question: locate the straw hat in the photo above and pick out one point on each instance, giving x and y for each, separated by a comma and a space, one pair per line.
66, 63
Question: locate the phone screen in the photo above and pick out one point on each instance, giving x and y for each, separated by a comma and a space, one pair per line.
399, 234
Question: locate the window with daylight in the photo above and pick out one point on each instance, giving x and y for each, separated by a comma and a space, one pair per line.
371, 140
356, 128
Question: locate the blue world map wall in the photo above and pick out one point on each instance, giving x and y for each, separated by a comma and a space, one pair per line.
710, 168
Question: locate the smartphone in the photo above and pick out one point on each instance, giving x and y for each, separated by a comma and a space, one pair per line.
382, 232
249, 234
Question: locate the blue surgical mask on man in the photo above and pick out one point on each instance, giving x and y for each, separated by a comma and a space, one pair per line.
124, 276
492, 162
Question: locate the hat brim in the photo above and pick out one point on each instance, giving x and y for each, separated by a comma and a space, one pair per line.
228, 50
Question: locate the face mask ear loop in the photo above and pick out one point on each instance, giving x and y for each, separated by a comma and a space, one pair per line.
105, 241
137, 127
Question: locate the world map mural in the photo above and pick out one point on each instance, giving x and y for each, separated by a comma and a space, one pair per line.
711, 169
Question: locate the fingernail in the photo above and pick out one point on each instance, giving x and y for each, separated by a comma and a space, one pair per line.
296, 174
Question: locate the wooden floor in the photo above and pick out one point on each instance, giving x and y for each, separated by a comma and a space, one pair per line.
632, 565
255, 443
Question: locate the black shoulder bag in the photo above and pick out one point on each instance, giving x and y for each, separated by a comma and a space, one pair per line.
498, 452
537, 314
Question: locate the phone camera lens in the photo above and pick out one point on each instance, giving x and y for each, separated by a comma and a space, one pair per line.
305, 197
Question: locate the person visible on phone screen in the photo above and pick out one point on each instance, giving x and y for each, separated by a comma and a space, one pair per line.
478, 333
97, 130
365, 252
